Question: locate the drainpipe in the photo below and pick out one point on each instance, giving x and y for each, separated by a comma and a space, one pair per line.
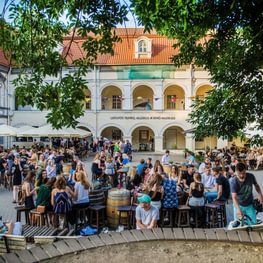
7, 103
96, 102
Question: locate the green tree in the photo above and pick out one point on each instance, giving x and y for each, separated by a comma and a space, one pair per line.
31, 32
226, 38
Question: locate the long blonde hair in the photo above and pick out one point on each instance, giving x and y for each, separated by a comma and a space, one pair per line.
82, 179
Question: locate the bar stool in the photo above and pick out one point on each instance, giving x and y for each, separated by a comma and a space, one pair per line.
199, 215
125, 215
82, 214
99, 211
19, 211
133, 216
221, 213
164, 212
211, 215
38, 218
58, 218
183, 216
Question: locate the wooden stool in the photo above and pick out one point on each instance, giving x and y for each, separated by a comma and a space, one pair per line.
133, 216
39, 219
164, 212
100, 214
82, 214
211, 215
183, 216
57, 217
221, 213
126, 210
198, 220
19, 211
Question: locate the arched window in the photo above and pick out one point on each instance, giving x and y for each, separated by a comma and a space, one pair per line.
142, 46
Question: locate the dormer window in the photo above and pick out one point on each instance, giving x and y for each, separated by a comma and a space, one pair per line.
143, 48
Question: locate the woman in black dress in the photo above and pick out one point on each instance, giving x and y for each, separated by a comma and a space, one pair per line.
28, 190
17, 179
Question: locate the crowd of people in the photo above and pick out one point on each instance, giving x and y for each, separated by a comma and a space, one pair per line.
37, 179
222, 176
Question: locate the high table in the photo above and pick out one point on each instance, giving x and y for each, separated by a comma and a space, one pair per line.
122, 174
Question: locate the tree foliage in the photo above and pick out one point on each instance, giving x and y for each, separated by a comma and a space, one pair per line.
30, 37
226, 38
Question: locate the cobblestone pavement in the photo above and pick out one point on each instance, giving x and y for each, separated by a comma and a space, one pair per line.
7, 210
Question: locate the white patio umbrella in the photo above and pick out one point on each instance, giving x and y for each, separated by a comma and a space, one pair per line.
23, 128
49, 131
251, 133
7, 130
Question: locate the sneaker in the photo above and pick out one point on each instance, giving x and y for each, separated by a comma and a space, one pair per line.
234, 224
259, 221
120, 229
105, 230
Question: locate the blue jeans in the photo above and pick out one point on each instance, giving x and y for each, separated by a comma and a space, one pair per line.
210, 196
249, 211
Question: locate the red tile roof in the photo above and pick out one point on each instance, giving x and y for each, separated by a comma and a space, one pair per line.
3, 59
124, 51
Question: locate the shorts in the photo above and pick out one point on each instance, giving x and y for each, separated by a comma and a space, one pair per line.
249, 211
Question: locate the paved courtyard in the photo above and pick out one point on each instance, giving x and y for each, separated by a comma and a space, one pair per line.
7, 210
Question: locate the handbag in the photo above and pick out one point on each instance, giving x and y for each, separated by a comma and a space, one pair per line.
41, 209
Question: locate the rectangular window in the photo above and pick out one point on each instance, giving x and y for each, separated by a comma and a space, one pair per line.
171, 101
116, 135
116, 102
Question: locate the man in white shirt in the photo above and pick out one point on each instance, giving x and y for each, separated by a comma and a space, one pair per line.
147, 215
202, 166
166, 158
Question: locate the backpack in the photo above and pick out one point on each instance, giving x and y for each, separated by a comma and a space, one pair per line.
21, 197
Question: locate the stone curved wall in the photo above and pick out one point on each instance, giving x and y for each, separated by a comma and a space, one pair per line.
73, 245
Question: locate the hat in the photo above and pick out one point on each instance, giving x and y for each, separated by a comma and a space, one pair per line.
144, 199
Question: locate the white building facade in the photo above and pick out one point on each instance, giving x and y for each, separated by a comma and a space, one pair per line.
136, 95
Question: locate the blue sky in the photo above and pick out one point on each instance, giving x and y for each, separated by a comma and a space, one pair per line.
130, 23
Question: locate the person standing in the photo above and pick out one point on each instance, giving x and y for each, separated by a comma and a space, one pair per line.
241, 190
17, 179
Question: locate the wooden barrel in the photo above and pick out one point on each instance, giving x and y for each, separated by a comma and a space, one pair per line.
167, 169
66, 168
116, 198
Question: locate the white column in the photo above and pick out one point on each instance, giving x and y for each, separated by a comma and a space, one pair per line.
158, 103
190, 84
158, 143
221, 143
127, 102
125, 137
190, 142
